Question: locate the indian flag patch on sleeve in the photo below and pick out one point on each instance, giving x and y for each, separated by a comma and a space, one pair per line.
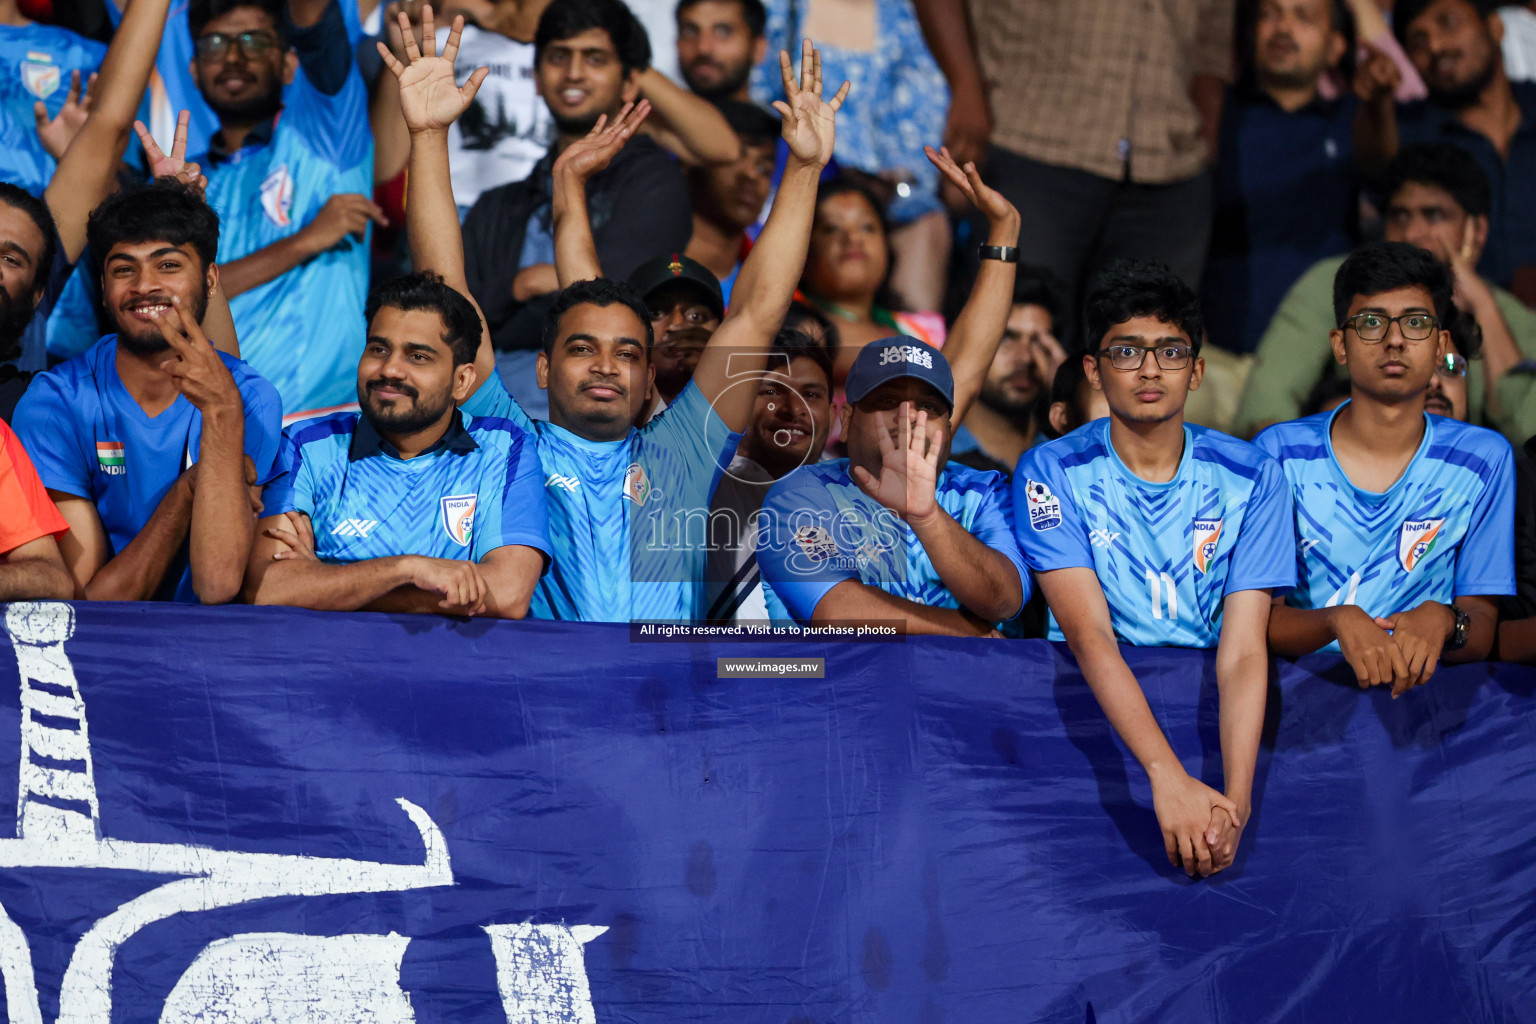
109, 455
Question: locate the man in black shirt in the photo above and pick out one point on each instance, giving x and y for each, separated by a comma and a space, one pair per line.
588, 56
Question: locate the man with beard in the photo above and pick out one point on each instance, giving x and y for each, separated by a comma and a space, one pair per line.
1472, 104
589, 56
406, 507
1286, 187
153, 444
41, 239
289, 173
1001, 425
719, 42
686, 307
1436, 197
1404, 526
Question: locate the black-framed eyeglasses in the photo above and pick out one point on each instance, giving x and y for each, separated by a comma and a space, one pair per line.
1131, 357
1374, 326
1451, 365
215, 45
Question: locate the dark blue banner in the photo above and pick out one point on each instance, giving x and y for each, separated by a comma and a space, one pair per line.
245, 815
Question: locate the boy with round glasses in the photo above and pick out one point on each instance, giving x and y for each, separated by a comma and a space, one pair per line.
1145, 530
1404, 521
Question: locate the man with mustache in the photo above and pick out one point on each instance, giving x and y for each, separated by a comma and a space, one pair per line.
1438, 198
152, 444
719, 42
1287, 193
686, 307
407, 506
1472, 104
1404, 521
290, 175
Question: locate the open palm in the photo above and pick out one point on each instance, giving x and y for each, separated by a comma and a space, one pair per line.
810, 123
909, 466
430, 100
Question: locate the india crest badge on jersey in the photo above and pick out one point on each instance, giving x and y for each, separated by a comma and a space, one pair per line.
1044, 507
459, 517
40, 76
637, 486
277, 195
1416, 540
1207, 538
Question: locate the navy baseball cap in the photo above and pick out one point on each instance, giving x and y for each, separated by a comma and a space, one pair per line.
901, 356
664, 270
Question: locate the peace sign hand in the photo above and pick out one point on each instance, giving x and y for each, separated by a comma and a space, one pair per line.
430, 101
195, 366
173, 166
810, 123
593, 152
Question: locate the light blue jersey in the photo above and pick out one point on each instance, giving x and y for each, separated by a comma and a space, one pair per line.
88, 437
1445, 529
476, 490
1166, 554
35, 64
303, 330
819, 529
627, 518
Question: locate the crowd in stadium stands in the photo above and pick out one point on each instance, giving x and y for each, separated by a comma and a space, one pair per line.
1205, 324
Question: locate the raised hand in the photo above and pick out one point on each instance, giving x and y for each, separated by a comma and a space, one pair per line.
429, 98
175, 165
593, 152
1376, 77
909, 466
57, 133
810, 123
967, 179
195, 367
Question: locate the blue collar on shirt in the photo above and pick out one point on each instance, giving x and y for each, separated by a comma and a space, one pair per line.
261, 135
366, 440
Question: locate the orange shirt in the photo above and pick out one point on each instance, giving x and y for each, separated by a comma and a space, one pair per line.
26, 511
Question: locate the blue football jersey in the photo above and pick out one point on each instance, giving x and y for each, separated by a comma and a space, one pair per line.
1445, 528
627, 518
477, 490
90, 438
1166, 554
819, 528
36, 62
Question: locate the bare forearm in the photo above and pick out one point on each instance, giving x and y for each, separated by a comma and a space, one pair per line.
766, 285
853, 602
35, 579
947, 30
1482, 631
1500, 352
982, 579
137, 571
391, 138
264, 265
1124, 704
1242, 679
575, 249
1517, 641
431, 216
1376, 139
301, 583
979, 328
219, 324
691, 122
1297, 631
223, 526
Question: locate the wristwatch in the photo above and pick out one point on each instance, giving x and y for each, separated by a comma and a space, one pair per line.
1005, 253
1459, 634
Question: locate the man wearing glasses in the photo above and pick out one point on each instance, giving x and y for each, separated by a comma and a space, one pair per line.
1404, 521
289, 174
1145, 530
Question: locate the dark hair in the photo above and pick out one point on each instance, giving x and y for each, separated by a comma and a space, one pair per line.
1405, 11
599, 291
1343, 22
201, 12
1378, 267
802, 313
845, 184
427, 291
799, 345
1446, 167
29, 204
1130, 288
752, 12
565, 19
1037, 286
753, 125
1066, 387
155, 211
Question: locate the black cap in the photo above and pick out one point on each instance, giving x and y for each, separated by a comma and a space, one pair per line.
664, 270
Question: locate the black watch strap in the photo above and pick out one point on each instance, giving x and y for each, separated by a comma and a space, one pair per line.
1006, 253
1459, 633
